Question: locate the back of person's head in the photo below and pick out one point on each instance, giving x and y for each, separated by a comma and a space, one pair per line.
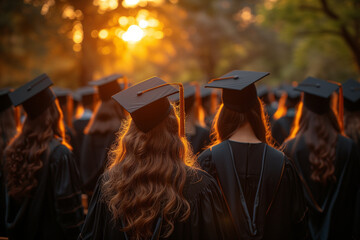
319, 125
147, 172
147, 176
241, 105
227, 121
106, 118
25, 151
320, 132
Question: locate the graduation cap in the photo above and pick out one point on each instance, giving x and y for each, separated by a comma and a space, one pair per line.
62, 94
5, 101
189, 96
262, 90
317, 94
239, 91
148, 104
35, 96
107, 86
205, 92
351, 90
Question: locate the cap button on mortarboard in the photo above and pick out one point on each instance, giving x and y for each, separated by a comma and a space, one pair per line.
317, 85
236, 77
139, 93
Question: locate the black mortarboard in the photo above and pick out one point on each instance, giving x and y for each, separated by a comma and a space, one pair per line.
189, 96
5, 101
262, 90
86, 94
317, 94
351, 90
291, 92
107, 86
239, 91
147, 108
62, 94
35, 96
205, 92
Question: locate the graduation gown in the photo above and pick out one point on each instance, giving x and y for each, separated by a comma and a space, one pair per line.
333, 213
209, 218
93, 158
261, 188
199, 140
54, 210
79, 126
281, 128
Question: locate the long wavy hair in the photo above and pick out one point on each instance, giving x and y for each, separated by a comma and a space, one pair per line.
146, 177
8, 128
352, 125
320, 132
227, 121
24, 154
107, 117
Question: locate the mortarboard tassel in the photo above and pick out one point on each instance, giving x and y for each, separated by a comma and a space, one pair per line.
340, 106
125, 82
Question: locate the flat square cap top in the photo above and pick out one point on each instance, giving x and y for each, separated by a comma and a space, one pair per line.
106, 80
134, 98
236, 80
317, 87
351, 90
30, 89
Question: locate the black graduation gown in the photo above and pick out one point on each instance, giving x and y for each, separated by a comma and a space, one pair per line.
199, 140
54, 211
273, 209
209, 218
79, 126
93, 158
281, 128
339, 219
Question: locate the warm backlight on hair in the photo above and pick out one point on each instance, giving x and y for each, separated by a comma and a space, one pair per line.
133, 34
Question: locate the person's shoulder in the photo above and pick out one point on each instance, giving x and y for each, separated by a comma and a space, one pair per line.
197, 181
60, 152
205, 155
202, 130
345, 140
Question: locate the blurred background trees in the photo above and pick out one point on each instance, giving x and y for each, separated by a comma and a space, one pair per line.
76, 41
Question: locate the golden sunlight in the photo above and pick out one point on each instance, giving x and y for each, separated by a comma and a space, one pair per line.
103, 34
130, 3
106, 5
133, 34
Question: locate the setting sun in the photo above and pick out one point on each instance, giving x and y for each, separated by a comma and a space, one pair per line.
133, 34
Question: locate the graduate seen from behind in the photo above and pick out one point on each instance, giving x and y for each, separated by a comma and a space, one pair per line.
100, 132
8, 128
259, 184
328, 163
43, 199
150, 190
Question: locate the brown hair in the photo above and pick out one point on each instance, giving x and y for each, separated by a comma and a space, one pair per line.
8, 128
226, 122
352, 125
25, 151
107, 117
146, 177
320, 132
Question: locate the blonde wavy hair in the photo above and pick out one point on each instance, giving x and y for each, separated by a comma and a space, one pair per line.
146, 177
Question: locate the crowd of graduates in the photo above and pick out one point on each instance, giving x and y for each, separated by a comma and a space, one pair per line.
231, 159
